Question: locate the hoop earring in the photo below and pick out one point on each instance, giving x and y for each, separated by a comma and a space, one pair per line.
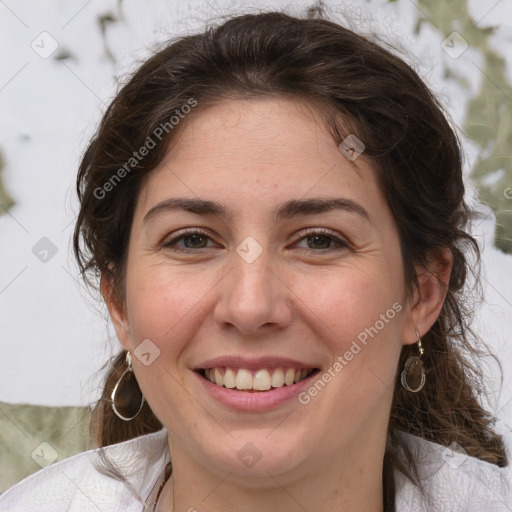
123, 403
414, 366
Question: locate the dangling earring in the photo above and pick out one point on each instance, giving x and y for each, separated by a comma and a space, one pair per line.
414, 368
127, 398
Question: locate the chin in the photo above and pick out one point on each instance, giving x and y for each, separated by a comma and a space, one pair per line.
254, 458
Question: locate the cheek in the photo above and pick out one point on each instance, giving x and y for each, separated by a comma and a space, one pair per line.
163, 306
349, 302
358, 316
163, 303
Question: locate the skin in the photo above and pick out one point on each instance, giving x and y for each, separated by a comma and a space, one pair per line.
295, 300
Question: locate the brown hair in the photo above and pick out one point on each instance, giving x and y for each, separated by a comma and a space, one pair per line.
379, 98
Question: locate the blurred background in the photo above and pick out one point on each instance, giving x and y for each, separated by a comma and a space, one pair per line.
61, 64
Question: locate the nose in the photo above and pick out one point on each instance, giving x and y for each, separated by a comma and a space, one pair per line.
253, 297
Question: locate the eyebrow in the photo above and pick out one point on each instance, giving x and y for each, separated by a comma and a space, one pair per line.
192, 205
297, 207
289, 209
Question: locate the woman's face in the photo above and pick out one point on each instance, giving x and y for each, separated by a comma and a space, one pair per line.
237, 270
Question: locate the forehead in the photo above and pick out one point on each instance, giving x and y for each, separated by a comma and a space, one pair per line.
238, 150
266, 130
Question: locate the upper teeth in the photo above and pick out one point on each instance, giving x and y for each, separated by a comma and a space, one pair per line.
259, 380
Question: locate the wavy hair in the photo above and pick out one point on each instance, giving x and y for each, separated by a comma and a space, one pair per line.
357, 86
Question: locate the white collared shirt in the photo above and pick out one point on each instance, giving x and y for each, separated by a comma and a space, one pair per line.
452, 482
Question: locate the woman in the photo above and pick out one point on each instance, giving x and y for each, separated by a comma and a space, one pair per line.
276, 211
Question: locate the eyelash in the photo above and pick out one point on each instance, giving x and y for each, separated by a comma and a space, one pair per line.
319, 231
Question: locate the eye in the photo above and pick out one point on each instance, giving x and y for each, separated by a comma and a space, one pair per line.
318, 240
322, 240
191, 239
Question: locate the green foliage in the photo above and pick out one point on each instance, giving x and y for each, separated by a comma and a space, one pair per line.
24, 427
488, 121
5, 200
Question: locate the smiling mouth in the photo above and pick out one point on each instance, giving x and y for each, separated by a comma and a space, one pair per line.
265, 379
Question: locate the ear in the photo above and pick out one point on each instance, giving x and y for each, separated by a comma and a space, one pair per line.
115, 309
428, 298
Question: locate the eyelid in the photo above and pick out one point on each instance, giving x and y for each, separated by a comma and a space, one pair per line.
337, 238
312, 230
182, 233
304, 233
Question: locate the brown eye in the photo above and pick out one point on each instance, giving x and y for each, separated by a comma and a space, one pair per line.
188, 240
196, 241
322, 241
319, 241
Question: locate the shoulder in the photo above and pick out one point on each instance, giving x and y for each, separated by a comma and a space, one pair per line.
79, 484
452, 481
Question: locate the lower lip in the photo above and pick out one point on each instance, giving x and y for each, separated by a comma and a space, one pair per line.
257, 400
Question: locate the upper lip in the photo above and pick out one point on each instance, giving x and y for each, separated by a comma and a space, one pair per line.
252, 363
